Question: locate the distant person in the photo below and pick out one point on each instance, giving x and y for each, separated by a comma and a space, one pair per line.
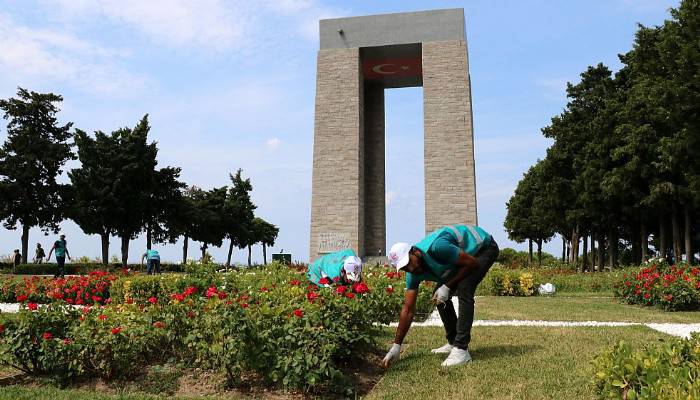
61, 252
152, 261
39, 254
17, 259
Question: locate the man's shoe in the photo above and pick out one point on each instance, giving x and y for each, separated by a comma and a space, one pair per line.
442, 350
457, 357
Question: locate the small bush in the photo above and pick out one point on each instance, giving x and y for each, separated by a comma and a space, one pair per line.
670, 287
511, 283
667, 371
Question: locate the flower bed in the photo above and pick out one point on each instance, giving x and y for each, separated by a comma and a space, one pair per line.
269, 322
667, 371
80, 290
673, 288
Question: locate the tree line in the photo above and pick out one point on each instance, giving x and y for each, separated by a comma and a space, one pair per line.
623, 172
118, 190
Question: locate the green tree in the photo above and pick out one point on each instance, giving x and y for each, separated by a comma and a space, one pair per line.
265, 234
209, 225
30, 160
238, 214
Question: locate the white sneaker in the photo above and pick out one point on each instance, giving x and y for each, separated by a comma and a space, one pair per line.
442, 350
457, 357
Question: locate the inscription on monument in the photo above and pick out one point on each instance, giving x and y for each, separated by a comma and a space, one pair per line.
333, 241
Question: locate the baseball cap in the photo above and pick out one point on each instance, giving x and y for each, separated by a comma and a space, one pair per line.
398, 255
353, 268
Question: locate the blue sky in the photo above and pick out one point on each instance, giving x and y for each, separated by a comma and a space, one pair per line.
231, 84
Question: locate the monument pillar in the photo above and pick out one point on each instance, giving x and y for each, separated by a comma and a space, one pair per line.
360, 58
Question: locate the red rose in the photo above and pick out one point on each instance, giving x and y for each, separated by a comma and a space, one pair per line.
211, 292
116, 330
47, 336
22, 297
647, 295
311, 296
341, 289
129, 301
159, 324
222, 295
2, 328
190, 314
360, 288
350, 295
264, 289
32, 306
295, 282
152, 300
390, 290
189, 291
668, 297
336, 279
244, 305
177, 297
102, 317
66, 341
298, 313
324, 281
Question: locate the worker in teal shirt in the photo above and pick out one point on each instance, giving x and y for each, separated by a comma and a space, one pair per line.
152, 261
341, 267
457, 258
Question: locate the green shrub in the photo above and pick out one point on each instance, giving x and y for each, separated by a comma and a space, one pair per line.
78, 268
511, 283
667, 371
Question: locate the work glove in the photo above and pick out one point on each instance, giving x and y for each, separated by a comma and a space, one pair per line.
392, 355
441, 295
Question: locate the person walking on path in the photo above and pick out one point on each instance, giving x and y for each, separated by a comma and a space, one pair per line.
341, 267
457, 258
39, 254
61, 247
152, 261
17, 259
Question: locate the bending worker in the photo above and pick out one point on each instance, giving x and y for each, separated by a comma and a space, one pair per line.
342, 267
457, 258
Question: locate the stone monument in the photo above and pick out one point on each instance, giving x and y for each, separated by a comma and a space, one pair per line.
360, 57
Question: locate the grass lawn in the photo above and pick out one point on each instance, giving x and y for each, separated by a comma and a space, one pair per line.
509, 363
563, 307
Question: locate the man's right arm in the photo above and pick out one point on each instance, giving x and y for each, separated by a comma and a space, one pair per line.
407, 312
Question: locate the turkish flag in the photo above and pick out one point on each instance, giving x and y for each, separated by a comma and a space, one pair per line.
379, 69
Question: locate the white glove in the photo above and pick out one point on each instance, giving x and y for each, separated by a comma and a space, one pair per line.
392, 355
442, 294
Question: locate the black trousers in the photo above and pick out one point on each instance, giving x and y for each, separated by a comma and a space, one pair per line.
61, 261
458, 327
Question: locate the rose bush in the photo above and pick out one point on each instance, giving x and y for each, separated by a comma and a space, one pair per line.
671, 287
269, 321
80, 290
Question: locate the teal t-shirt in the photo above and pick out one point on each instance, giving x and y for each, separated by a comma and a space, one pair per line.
60, 247
441, 250
152, 255
328, 266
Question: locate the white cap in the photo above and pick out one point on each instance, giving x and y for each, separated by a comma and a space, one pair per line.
353, 268
398, 255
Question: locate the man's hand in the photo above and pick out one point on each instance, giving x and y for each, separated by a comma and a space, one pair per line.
393, 355
442, 294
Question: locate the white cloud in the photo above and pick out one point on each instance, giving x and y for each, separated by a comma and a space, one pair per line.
210, 24
35, 56
273, 143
